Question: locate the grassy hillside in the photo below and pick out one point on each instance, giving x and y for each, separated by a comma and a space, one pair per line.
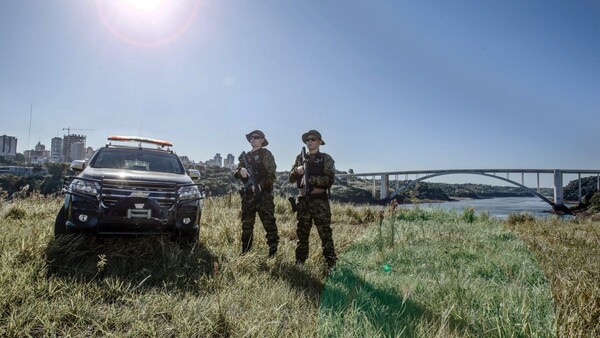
132, 287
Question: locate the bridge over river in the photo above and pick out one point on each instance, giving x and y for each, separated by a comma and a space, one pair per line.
390, 185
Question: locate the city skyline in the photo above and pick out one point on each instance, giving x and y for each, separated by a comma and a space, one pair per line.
222, 163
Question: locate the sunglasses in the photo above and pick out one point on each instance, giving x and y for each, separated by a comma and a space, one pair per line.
313, 139
256, 137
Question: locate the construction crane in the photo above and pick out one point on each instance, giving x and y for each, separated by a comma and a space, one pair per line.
68, 129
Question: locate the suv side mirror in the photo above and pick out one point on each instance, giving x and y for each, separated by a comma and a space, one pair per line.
194, 174
77, 165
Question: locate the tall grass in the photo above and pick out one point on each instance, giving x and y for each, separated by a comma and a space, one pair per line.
446, 274
152, 286
569, 253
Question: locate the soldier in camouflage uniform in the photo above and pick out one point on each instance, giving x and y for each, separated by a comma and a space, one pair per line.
314, 205
262, 165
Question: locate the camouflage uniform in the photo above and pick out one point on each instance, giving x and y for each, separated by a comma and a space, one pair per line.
315, 207
262, 164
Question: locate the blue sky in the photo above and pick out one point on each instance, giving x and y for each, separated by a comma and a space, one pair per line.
391, 85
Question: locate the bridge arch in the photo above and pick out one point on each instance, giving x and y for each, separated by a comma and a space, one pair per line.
411, 183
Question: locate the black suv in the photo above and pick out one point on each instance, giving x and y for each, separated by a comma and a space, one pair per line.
131, 190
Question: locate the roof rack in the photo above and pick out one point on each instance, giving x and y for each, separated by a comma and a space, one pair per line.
140, 140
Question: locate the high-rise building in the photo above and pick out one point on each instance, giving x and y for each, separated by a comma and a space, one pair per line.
77, 151
56, 149
218, 160
8, 145
39, 146
68, 141
230, 161
89, 152
37, 155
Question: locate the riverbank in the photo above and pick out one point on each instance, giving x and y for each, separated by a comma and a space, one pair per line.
500, 207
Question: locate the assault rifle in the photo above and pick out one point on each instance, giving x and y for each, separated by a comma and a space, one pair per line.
251, 182
307, 187
304, 157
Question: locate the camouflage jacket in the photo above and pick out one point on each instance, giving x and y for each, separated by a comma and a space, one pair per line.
262, 164
321, 170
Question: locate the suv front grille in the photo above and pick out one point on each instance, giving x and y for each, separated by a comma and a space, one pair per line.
163, 192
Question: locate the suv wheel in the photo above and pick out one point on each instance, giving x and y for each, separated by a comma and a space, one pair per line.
60, 227
188, 238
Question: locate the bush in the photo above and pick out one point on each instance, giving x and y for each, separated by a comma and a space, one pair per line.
520, 218
469, 214
16, 212
595, 202
3, 196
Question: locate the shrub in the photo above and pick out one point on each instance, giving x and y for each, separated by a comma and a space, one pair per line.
595, 202
3, 197
468, 214
16, 212
520, 217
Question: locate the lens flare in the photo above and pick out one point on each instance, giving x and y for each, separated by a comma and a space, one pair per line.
147, 23
146, 5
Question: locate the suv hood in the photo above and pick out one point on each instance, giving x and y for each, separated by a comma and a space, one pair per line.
100, 173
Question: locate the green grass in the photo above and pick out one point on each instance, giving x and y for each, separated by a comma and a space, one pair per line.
445, 275
448, 273
151, 286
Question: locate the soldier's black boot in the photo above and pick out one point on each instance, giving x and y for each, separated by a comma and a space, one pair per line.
272, 252
299, 261
331, 263
246, 244
245, 249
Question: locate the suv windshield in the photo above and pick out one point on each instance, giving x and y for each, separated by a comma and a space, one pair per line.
136, 159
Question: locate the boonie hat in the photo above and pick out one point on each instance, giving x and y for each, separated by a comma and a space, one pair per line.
312, 132
265, 142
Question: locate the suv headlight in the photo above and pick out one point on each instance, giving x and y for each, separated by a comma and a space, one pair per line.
188, 192
84, 187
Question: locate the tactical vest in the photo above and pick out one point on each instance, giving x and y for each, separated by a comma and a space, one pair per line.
255, 159
315, 165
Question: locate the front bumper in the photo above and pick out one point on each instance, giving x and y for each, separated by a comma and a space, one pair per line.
131, 215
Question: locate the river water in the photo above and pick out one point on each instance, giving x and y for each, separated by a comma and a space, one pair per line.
498, 207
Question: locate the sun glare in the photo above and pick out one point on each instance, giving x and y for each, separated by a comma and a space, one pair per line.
146, 5
147, 23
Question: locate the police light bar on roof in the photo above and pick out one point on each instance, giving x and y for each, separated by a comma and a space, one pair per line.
140, 139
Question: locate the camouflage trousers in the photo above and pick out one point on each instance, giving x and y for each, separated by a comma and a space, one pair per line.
265, 208
314, 210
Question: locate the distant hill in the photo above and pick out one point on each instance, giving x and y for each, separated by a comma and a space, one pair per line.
589, 185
